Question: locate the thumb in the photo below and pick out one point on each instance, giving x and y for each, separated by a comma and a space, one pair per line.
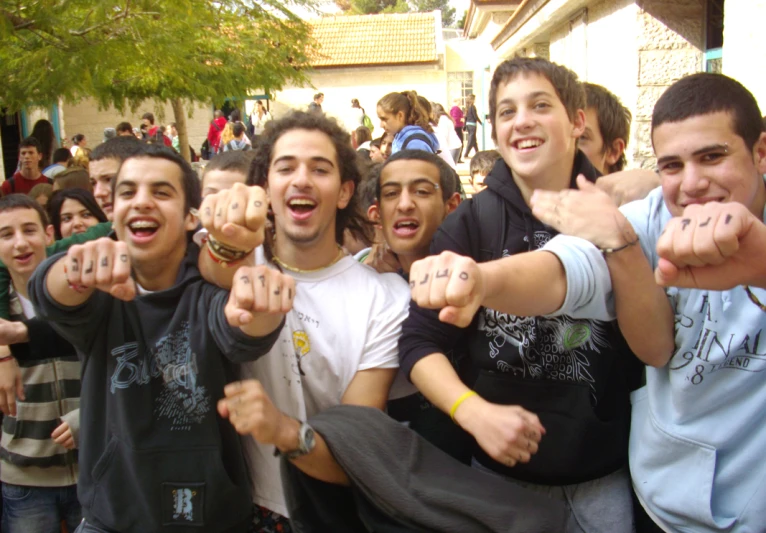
667, 273
20, 388
223, 408
457, 316
124, 291
584, 184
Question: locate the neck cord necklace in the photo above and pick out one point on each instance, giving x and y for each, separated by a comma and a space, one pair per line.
281, 263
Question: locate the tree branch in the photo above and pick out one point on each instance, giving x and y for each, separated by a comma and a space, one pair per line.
19, 23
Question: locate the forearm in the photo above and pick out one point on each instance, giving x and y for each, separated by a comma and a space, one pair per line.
263, 324
216, 273
436, 379
643, 311
529, 284
319, 463
59, 289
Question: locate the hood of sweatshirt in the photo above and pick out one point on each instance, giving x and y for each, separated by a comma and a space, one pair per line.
406, 131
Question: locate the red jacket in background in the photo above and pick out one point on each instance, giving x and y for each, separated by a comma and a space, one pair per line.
214, 133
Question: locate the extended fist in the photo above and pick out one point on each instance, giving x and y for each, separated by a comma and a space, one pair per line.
236, 217
102, 264
251, 411
259, 290
450, 282
713, 246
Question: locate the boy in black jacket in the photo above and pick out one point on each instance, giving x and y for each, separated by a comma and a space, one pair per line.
550, 408
157, 343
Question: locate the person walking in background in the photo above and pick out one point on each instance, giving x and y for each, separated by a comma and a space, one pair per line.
456, 112
471, 122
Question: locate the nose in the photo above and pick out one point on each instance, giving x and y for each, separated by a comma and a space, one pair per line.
302, 178
100, 189
694, 182
143, 199
405, 202
523, 119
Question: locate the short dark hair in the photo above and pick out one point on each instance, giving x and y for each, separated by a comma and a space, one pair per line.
124, 126
61, 155
368, 190
317, 96
119, 148
705, 93
238, 129
233, 160
81, 195
350, 217
11, 202
148, 116
448, 179
376, 142
78, 138
568, 87
31, 142
613, 119
189, 180
483, 162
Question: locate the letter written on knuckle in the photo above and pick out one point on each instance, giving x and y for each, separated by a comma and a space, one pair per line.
703, 224
208, 212
263, 280
412, 284
219, 213
75, 265
289, 293
276, 291
235, 205
124, 258
257, 203
245, 280
104, 261
424, 280
463, 276
685, 222
728, 219
443, 274
90, 268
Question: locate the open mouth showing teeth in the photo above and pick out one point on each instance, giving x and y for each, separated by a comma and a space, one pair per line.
143, 228
528, 143
301, 205
408, 224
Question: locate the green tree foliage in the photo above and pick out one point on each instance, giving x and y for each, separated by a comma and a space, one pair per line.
370, 7
124, 52
448, 13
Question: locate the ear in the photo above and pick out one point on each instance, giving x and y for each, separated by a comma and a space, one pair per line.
346, 192
373, 213
49, 235
190, 222
614, 153
452, 203
401, 117
759, 153
578, 124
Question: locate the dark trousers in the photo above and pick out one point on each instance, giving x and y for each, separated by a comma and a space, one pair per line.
471, 140
459, 131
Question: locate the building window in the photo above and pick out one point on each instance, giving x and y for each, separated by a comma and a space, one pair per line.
459, 86
714, 36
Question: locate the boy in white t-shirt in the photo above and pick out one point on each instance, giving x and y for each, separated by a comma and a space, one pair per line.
339, 344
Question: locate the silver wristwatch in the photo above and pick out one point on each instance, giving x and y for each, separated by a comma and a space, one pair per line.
306, 442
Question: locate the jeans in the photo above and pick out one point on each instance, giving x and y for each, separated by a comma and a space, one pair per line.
39, 509
459, 131
471, 130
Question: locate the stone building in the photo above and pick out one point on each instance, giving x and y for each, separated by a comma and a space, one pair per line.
635, 48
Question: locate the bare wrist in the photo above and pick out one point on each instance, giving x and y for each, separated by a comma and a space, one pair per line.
467, 411
287, 438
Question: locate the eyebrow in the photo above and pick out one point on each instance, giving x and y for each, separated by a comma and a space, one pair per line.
291, 158
530, 96
704, 150
416, 181
154, 185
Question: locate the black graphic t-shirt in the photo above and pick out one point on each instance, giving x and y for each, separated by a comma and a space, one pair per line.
157, 454
574, 374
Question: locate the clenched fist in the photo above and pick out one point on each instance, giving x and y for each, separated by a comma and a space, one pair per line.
102, 264
450, 282
259, 290
236, 217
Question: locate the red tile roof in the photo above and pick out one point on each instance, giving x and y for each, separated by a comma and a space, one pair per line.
372, 40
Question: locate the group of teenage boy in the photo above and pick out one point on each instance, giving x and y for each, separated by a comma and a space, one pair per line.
602, 358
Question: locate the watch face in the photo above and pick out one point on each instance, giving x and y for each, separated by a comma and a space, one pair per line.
308, 439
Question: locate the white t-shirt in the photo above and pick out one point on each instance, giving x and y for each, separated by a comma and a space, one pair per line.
345, 318
26, 306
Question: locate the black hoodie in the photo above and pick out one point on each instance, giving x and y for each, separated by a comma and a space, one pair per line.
154, 454
574, 374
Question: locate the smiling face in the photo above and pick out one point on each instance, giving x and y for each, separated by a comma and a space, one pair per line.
392, 123
75, 218
535, 136
411, 205
102, 175
149, 212
304, 186
22, 241
701, 159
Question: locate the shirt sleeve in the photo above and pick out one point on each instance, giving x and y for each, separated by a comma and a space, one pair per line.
381, 349
5, 301
102, 229
43, 341
233, 342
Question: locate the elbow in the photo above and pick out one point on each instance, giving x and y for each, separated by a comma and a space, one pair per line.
658, 356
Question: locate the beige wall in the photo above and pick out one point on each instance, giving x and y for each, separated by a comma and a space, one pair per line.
85, 117
744, 49
368, 85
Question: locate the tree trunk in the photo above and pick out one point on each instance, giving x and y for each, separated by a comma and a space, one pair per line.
183, 135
